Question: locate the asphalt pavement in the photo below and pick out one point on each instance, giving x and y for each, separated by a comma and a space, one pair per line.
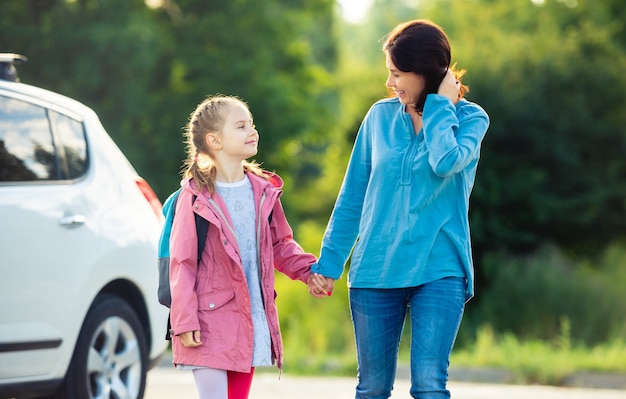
164, 382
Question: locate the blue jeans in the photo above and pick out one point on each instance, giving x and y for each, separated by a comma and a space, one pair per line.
378, 316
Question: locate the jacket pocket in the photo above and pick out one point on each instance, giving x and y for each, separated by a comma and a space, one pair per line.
215, 300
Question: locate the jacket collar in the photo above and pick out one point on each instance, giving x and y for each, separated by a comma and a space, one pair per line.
267, 189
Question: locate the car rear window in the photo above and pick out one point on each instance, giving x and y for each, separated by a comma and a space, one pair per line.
39, 144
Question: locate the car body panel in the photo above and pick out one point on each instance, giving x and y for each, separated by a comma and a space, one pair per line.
64, 242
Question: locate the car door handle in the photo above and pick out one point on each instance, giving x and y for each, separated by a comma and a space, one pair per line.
72, 220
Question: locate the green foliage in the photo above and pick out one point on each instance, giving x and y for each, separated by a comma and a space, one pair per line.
553, 163
144, 70
530, 296
264, 53
540, 361
550, 76
552, 168
317, 333
544, 319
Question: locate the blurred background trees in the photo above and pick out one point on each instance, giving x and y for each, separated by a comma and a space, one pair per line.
548, 212
144, 69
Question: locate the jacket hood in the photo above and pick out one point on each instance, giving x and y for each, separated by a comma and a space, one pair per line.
273, 178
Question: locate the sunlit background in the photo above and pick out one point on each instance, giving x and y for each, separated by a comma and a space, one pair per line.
548, 212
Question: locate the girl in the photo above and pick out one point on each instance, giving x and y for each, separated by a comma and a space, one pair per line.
223, 314
410, 176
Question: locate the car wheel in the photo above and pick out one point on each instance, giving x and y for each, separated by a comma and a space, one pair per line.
110, 358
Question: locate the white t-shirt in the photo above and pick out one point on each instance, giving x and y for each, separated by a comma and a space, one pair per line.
239, 200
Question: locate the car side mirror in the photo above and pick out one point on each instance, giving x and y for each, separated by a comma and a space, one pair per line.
7, 66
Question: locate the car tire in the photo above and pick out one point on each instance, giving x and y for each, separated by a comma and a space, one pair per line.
110, 358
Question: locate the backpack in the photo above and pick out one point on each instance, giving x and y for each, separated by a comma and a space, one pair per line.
163, 260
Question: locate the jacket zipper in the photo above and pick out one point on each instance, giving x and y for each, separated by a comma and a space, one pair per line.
219, 210
258, 247
260, 219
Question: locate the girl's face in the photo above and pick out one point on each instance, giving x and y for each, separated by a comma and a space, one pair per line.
239, 138
406, 85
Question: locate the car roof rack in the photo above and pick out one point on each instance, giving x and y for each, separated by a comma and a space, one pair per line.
7, 66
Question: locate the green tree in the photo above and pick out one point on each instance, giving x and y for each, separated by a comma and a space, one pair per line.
100, 53
553, 166
276, 55
550, 75
144, 70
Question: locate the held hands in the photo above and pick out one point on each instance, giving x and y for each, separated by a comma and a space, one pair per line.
450, 87
190, 339
320, 286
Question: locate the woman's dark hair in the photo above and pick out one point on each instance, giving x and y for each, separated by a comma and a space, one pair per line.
422, 47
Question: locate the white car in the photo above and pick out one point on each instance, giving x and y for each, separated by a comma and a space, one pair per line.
79, 316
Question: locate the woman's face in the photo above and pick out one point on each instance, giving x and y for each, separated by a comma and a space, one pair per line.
406, 85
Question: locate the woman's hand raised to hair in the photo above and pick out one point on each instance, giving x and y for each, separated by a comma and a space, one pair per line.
450, 87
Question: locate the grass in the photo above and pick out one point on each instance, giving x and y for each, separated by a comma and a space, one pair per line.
540, 362
528, 362
569, 318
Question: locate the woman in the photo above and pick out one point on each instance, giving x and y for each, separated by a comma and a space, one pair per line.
402, 213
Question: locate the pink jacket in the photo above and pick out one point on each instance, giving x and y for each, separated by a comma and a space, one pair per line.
213, 297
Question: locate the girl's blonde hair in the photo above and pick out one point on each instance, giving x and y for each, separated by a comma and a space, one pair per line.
209, 117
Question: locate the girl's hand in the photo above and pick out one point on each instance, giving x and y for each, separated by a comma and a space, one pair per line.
190, 339
320, 286
450, 87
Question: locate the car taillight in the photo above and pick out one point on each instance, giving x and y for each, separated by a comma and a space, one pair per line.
150, 196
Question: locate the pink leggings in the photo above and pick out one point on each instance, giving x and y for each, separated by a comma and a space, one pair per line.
222, 384
239, 384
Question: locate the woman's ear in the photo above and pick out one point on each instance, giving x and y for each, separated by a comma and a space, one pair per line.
213, 141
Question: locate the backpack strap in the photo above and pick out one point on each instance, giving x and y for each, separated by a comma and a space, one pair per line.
202, 228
